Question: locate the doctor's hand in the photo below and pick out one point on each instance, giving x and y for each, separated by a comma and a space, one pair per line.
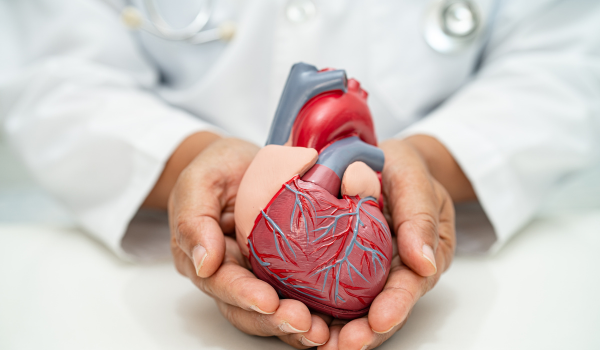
420, 179
201, 218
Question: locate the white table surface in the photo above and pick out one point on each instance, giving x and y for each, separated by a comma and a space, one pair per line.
60, 289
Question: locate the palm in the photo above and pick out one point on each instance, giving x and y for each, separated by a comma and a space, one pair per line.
420, 212
201, 214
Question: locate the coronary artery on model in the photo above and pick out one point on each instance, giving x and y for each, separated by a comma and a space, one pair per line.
308, 210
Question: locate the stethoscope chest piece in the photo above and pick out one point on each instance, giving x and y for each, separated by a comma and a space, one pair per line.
450, 26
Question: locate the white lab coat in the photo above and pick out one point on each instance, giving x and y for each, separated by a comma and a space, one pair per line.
94, 111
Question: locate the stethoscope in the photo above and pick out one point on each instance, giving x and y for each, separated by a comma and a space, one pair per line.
449, 26
194, 33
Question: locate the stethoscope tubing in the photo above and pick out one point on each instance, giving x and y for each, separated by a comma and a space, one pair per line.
435, 29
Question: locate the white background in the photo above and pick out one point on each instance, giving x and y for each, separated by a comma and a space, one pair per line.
60, 289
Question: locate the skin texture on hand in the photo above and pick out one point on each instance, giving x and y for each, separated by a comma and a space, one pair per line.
183, 155
418, 207
202, 227
421, 214
443, 167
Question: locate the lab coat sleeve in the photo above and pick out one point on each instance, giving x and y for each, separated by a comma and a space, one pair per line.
78, 111
531, 115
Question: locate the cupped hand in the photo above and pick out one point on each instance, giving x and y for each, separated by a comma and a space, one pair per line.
201, 218
421, 214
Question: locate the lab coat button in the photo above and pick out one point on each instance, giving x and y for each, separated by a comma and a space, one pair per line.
300, 11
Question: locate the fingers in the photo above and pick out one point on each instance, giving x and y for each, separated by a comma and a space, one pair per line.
292, 317
254, 307
292, 323
414, 206
391, 307
357, 335
234, 284
447, 236
200, 205
194, 213
237, 286
202, 240
334, 337
388, 313
417, 238
317, 335
228, 222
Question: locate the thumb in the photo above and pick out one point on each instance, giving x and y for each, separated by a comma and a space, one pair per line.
414, 207
196, 205
194, 214
417, 242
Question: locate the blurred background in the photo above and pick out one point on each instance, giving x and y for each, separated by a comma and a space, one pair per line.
96, 95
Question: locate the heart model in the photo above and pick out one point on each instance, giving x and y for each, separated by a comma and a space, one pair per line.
308, 210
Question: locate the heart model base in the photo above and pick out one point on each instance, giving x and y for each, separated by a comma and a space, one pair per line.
322, 256
308, 212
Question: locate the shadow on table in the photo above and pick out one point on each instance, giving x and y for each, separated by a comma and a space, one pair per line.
204, 321
176, 315
458, 305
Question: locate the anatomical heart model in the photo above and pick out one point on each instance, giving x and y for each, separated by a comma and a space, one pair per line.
308, 211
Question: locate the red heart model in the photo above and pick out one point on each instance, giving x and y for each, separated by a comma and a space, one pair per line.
308, 211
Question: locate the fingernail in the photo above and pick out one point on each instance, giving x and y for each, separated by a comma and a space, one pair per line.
428, 254
287, 328
257, 309
199, 254
364, 347
384, 332
308, 342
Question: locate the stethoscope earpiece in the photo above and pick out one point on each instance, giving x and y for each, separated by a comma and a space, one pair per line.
451, 26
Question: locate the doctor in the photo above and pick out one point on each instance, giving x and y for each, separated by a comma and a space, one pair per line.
114, 106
